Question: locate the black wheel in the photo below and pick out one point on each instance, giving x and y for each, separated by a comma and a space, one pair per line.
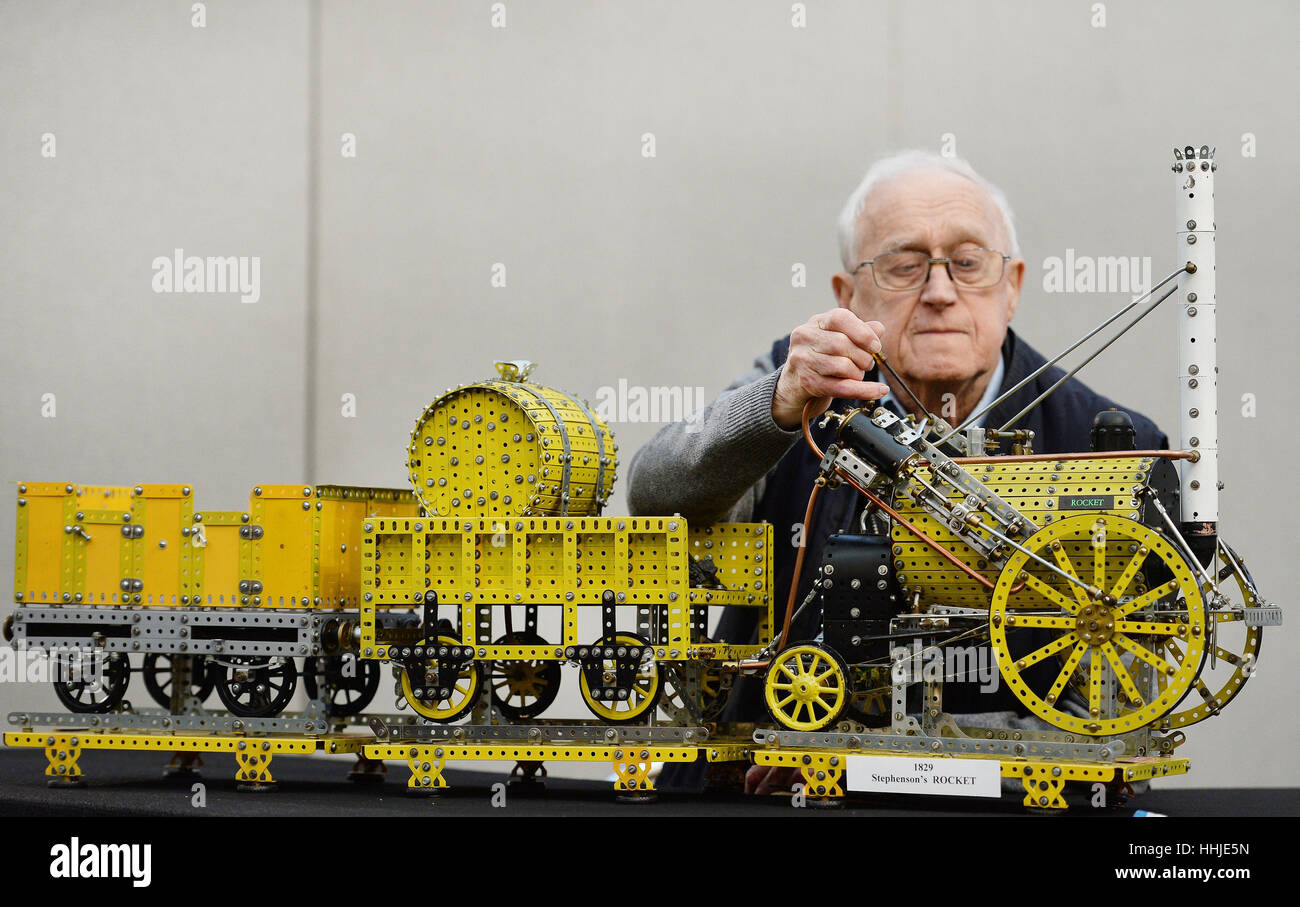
255, 686
523, 688
97, 687
870, 701
348, 683
160, 668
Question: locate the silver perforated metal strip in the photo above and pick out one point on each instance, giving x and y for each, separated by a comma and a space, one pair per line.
564, 438
601, 496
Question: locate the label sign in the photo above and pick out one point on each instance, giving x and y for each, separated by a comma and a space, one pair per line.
1086, 502
942, 777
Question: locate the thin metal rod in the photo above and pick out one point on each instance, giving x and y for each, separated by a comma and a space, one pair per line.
1091, 455
1074, 371
1236, 567
1091, 590
1179, 542
880, 359
1061, 355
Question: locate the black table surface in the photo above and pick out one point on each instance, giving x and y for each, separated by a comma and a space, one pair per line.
131, 784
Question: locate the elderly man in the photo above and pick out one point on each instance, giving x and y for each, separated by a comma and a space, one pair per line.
932, 275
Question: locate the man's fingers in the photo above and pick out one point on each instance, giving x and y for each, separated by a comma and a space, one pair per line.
834, 343
864, 334
755, 775
847, 389
777, 779
827, 366
829, 353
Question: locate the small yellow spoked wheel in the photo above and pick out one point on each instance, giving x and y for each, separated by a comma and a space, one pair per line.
449, 698
1118, 640
629, 684
806, 687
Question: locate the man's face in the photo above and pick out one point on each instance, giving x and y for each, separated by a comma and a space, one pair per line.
940, 333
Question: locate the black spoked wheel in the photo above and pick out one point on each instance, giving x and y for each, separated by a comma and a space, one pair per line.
160, 671
93, 687
346, 683
523, 688
255, 686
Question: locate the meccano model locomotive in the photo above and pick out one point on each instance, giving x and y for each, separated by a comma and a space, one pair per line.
1098, 581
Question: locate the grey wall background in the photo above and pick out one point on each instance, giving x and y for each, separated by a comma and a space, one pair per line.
522, 145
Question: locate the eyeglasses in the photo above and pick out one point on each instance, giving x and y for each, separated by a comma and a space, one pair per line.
974, 269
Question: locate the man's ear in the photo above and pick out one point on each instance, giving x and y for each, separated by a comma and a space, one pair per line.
1015, 279
842, 287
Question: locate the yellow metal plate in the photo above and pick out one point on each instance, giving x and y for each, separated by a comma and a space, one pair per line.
1033, 489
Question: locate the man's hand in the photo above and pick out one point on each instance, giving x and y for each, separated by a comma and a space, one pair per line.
770, 779
828, 355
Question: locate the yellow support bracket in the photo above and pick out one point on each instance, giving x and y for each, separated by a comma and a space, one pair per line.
63, 766
822, 781
254, 769
1044, 792
822, 771
426, 770
632, 767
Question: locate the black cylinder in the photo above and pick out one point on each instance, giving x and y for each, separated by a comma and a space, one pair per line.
1112, 429
874, 444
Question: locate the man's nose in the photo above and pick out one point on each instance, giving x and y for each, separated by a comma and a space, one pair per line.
939, 289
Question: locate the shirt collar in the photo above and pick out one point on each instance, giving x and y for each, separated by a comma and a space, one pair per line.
990, 394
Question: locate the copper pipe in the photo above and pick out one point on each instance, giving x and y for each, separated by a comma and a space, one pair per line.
1048, 458
906, 524
980, 578
798, 559
807, 434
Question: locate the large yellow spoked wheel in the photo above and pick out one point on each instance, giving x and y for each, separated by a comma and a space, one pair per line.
807, 687
1119, 640
630, 684
1233, 647
451, 697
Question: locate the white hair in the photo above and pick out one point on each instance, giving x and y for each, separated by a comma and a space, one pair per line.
886, 169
